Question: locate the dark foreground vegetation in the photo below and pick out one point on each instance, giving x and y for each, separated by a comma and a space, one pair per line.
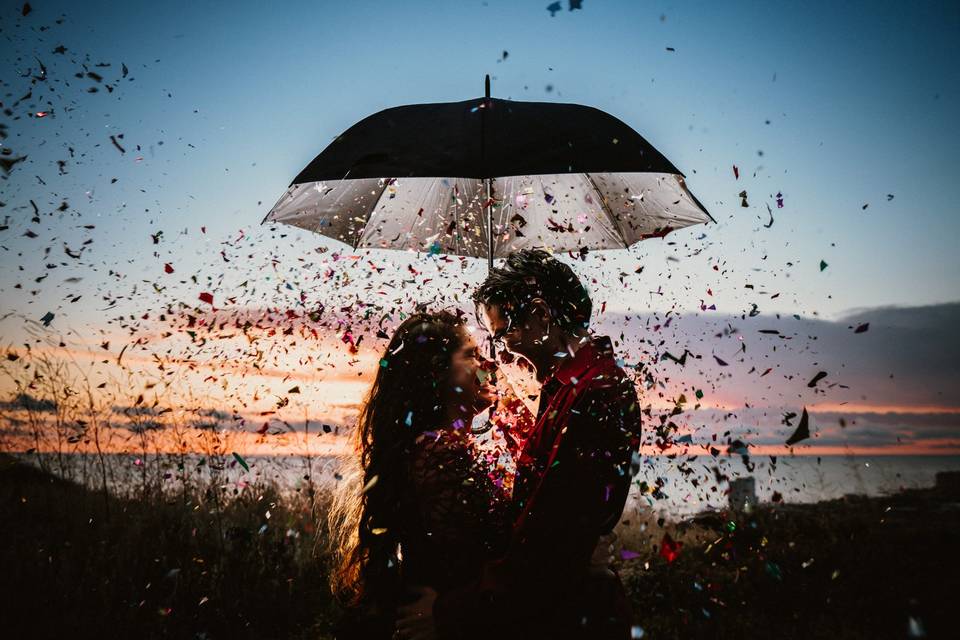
201, 563
211, 562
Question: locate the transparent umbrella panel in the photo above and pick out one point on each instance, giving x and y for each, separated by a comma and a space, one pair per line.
561, 212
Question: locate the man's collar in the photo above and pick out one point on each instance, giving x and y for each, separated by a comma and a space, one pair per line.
572, 369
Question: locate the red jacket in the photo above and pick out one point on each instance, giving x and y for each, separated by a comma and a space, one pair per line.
573, 475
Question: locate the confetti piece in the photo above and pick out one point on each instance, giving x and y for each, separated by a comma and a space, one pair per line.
113, 139
802, 431
817, 378
241, 461
669, 548
682, 360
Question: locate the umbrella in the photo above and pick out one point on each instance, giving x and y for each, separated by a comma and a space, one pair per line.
487, 177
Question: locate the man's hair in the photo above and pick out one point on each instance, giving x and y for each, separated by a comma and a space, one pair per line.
534, 273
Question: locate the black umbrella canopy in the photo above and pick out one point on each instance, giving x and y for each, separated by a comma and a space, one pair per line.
487, 177
485, 138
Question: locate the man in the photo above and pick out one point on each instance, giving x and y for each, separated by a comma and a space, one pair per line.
573, 472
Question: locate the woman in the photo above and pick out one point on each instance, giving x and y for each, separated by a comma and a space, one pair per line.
425, 511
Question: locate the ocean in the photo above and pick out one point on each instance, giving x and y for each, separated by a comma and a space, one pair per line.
673, 487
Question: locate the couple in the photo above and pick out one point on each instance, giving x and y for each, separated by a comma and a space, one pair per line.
436, 547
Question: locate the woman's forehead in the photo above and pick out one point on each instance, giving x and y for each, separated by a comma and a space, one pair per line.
468, 342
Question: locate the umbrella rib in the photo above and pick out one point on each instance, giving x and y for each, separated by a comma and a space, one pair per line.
456, 221
376, 201
683, 184
606, 209
420, 205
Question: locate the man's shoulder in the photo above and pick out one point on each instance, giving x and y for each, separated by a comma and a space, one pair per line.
606, 371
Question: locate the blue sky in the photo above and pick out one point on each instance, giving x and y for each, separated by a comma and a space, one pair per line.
860, 99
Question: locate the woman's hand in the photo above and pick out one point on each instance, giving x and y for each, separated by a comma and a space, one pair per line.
415, 620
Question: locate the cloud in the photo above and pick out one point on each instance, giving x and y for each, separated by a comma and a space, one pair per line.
908, 357
857, 429
895, 384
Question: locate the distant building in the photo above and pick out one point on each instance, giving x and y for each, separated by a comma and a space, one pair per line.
743, 493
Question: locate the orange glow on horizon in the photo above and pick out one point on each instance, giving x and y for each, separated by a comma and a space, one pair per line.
316, 444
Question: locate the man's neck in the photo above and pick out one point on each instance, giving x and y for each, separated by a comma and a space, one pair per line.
567, 344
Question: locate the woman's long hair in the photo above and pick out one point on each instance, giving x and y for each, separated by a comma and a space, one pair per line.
408, 396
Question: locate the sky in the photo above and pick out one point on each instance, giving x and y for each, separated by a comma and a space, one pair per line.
846, 111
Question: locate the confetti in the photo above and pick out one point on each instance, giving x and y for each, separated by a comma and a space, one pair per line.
669, 548
241, 461
802, 431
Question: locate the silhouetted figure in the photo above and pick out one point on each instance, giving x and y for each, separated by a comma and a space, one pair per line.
573, 472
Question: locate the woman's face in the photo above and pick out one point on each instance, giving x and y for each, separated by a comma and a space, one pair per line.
471, 377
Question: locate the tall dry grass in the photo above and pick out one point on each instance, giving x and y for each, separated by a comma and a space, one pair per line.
153, 541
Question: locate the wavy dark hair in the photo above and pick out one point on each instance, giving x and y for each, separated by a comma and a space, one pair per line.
534, 273
408, 397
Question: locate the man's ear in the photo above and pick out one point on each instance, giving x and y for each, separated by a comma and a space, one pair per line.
539, 309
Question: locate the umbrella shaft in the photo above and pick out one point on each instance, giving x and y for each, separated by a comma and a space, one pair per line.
489, 225
493, 346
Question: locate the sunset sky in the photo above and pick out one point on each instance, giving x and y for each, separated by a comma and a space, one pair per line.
848, 113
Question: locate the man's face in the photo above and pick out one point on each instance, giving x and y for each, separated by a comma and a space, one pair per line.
524, 338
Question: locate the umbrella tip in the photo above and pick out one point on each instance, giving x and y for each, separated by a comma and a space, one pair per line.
486, 85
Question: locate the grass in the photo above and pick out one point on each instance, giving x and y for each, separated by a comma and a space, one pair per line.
850, 568
207, 562
187, 554
196, 565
